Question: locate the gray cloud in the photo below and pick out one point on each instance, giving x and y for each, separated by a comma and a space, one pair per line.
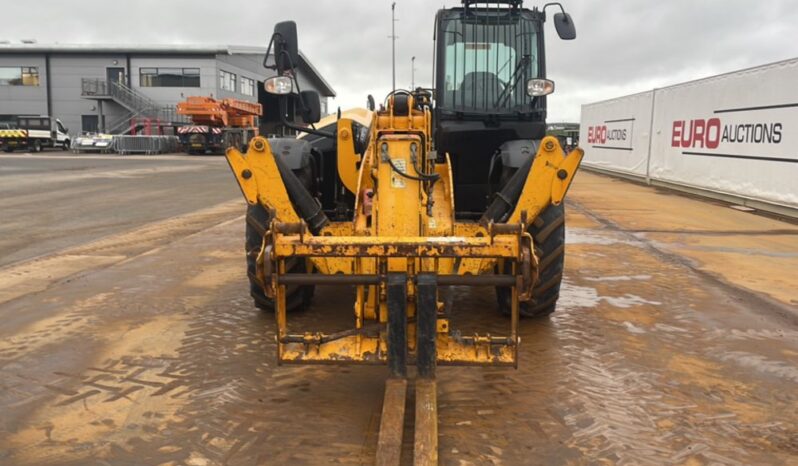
622, 46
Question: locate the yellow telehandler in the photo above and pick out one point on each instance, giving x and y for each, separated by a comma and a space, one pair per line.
456, 186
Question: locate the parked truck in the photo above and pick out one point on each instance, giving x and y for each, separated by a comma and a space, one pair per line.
217, 124
33, 133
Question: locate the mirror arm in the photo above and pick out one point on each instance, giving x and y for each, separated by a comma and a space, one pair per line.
553, 4
268, 52
296, 127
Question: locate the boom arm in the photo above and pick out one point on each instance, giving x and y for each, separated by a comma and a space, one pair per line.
228, 112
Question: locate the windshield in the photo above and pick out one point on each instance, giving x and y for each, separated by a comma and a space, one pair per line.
487, 60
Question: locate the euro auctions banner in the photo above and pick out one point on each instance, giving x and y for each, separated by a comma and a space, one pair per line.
614, 133
735, 133
725, 136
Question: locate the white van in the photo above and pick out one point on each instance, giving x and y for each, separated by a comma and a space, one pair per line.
33, 133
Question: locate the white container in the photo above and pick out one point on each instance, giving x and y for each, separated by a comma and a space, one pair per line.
734, 134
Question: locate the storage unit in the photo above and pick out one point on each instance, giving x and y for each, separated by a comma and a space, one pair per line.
733, 136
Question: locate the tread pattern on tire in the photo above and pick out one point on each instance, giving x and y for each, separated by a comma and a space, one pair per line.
257, 224
297, 297
548, 233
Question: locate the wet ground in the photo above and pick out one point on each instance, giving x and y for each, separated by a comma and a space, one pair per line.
675, 342
56, 199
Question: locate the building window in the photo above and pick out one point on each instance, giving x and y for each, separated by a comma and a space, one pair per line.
227, 81
34, 123
90, 123
19, 76
169, 77
247, 86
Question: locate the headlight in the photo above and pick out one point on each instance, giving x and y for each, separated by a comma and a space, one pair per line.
280, 85
539, 87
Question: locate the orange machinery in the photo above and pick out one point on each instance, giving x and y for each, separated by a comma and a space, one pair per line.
217, 124
227, 112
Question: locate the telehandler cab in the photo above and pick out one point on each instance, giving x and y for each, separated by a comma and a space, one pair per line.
456, 186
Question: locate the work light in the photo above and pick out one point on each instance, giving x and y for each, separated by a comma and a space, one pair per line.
280, 85
539, 87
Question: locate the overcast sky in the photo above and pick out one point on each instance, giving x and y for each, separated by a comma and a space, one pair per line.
622, 46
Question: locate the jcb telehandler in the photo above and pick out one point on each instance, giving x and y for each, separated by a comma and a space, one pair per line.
455, 186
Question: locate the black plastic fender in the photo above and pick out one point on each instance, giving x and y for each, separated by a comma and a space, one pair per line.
515, 153
293, 153
512, 154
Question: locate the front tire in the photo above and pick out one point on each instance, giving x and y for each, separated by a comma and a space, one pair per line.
297, 297
548, 233
37, 146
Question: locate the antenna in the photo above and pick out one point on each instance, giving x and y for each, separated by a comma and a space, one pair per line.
413, 73
393, 38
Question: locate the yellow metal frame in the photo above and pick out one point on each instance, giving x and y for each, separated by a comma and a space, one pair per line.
409, 228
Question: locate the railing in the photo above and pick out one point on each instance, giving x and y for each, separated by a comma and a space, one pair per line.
139, 105
93, 87
145, 144
164, 114
130, 98
118, 91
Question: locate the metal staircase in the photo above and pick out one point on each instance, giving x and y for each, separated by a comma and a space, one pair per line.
139, 106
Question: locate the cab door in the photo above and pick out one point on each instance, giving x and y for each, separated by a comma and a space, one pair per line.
61, 132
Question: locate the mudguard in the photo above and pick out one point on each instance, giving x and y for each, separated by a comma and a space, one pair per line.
514, 153
294, 153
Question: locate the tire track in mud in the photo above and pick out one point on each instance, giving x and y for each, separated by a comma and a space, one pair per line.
683, 405
37, 274
623, 378
762, 303
630, 370
238, 408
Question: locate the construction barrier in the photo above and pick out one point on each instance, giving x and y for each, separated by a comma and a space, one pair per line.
733, 135
145, 144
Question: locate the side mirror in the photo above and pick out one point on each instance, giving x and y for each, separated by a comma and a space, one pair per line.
311, 106
565, 26
286, 50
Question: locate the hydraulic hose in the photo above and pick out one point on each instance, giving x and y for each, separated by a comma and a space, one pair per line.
505, 200
422, 176
303, 201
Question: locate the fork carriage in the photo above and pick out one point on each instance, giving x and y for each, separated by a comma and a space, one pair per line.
402, 244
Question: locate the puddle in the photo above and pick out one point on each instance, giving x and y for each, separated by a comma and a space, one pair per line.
632, 328
618, 278
629, 300
762, 364
592, 236
575, 296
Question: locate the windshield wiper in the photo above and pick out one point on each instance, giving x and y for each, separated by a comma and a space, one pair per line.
519, 68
